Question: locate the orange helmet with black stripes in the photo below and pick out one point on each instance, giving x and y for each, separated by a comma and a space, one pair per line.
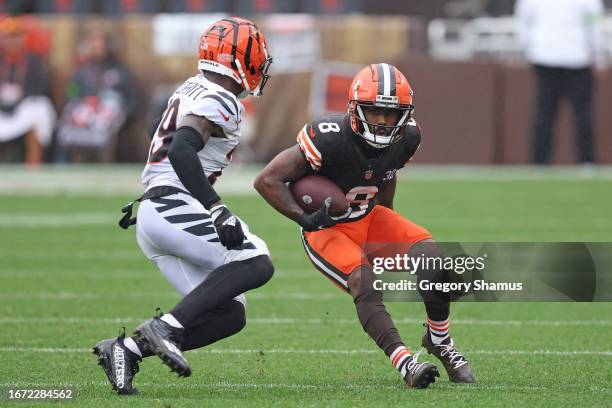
383, 86
235, 47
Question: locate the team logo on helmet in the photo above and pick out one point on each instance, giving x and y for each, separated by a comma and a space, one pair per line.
237, 48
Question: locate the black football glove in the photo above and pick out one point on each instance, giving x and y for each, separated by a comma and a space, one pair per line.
319, 219
228, 227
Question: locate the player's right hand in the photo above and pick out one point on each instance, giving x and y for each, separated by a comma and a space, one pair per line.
228, 227
319, 219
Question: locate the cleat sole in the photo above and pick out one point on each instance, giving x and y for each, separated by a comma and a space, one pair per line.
426, 379
174, 367
165, 358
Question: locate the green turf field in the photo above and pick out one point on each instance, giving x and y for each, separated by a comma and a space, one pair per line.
69, 277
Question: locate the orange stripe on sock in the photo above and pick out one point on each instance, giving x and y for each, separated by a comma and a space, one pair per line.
399, 357
395, 354
437, 325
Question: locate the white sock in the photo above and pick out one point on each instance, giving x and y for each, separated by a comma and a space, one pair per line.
438, 330
132, 346
171, 320
399, 358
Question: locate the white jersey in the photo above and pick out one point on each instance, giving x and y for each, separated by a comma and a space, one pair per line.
201, 97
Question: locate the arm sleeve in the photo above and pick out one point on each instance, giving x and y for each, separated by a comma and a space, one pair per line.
183, 155
309, 148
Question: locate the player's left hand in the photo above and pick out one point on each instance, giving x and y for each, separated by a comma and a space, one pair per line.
228, 227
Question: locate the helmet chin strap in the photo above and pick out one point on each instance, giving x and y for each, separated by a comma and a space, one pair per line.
377, 146
367, 134
245, 83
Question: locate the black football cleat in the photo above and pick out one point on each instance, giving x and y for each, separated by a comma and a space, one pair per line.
163, 340
420, 375
119, 363
457, 367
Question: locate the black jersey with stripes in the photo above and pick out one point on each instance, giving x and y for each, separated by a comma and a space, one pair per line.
334, 151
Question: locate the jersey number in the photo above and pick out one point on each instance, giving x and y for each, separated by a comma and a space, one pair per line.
326, 127
359, 199
164, 134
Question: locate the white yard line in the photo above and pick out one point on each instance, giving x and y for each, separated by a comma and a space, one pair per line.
147, 272
57, 219
125, 179
466, 387
307, 321
153, 295
68, 296
329, 387
103, 180
323, 351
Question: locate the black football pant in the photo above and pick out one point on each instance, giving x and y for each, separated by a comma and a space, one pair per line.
552, 85
224, 321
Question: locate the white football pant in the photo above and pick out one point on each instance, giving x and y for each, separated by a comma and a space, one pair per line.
176, 232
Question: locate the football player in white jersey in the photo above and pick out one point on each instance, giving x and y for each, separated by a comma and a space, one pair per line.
207, 253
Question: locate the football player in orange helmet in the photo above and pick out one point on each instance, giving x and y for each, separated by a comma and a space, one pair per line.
236, 48
371, 92
206, 252
361, 152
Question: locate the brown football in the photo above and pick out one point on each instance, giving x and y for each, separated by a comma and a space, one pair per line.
310, 192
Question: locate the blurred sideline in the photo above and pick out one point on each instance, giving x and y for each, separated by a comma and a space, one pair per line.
125, 179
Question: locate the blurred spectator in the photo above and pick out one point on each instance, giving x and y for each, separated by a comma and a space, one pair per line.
464, 9
100, 99
26, 114
468, 9
498, 8
564, 42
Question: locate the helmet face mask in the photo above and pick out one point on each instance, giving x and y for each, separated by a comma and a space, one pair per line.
379, 135
235, 47
380, 87
263, 68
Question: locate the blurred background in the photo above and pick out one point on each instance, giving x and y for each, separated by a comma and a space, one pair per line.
95, 73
